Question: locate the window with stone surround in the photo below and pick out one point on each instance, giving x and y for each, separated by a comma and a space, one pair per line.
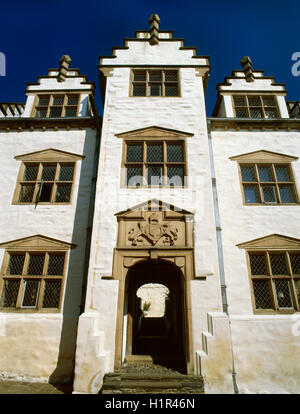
162, 82
275, 280
268, 184
56, 105
154, 163
255, 106
45, 183
46, 177
32, 279
267, 178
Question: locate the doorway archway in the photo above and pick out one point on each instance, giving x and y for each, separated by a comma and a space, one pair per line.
160, 334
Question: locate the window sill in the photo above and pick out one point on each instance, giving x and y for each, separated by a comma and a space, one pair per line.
29, 310
17, 203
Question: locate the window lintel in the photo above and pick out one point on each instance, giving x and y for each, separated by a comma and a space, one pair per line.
263, 156
37, 242
49, 155
271, 242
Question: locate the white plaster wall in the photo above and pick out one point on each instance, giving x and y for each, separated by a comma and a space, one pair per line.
165, 53
263, 345
31, 343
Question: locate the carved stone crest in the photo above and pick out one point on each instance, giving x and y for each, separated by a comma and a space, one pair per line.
154, 230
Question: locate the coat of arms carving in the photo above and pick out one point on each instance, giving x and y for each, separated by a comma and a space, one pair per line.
153, 231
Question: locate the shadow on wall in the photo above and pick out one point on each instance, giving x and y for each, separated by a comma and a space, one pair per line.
64, 371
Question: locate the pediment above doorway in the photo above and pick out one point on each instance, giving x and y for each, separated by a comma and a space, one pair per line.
155, 224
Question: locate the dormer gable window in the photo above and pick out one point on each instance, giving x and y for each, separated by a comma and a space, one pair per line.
56, 105
255, 106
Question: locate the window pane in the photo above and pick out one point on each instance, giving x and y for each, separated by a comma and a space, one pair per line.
44, 100
63, 193
256, 113
282, 174
45, 192
155, 76
155, 90
139, 75
66, 172
55, 112
278, 264
262, 294
258, 264
269, 101
139, 90
48, 173
30, 172
265, 174
241, 113
51, 294
251, 194
239, 100
154, 153
248, 174
71, 111
271, 113
31, 289
254, 101
10, 293
41, 113
15, 264
154, 175
36, 264
174, 153
134, 153
26, 193
72, 99
295, 263
171, 89
283, 294
56, 264
286, 194
269, 194
171, 75
175, 176
58, 100
134, 176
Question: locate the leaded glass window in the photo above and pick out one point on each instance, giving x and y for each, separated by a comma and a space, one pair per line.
57, 106
255, 106
155, 83
268, 184
46, 183
154, 163
32, 280
275, 280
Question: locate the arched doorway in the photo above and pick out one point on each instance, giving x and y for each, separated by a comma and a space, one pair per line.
155, 317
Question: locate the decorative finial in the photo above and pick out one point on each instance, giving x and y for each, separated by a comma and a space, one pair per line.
248, 69
63, 69
154, 29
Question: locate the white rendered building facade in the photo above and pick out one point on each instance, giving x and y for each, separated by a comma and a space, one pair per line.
203, 209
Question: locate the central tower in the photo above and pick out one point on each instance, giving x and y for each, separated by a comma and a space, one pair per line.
154, 157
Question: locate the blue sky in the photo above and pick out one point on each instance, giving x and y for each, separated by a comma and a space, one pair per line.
35, 34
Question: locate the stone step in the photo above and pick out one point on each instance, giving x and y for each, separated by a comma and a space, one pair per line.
146, 383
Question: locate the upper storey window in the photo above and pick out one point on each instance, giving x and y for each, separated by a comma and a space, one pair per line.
155, 83
255, 106
45, 183
152, 163
268, 184
57, 106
